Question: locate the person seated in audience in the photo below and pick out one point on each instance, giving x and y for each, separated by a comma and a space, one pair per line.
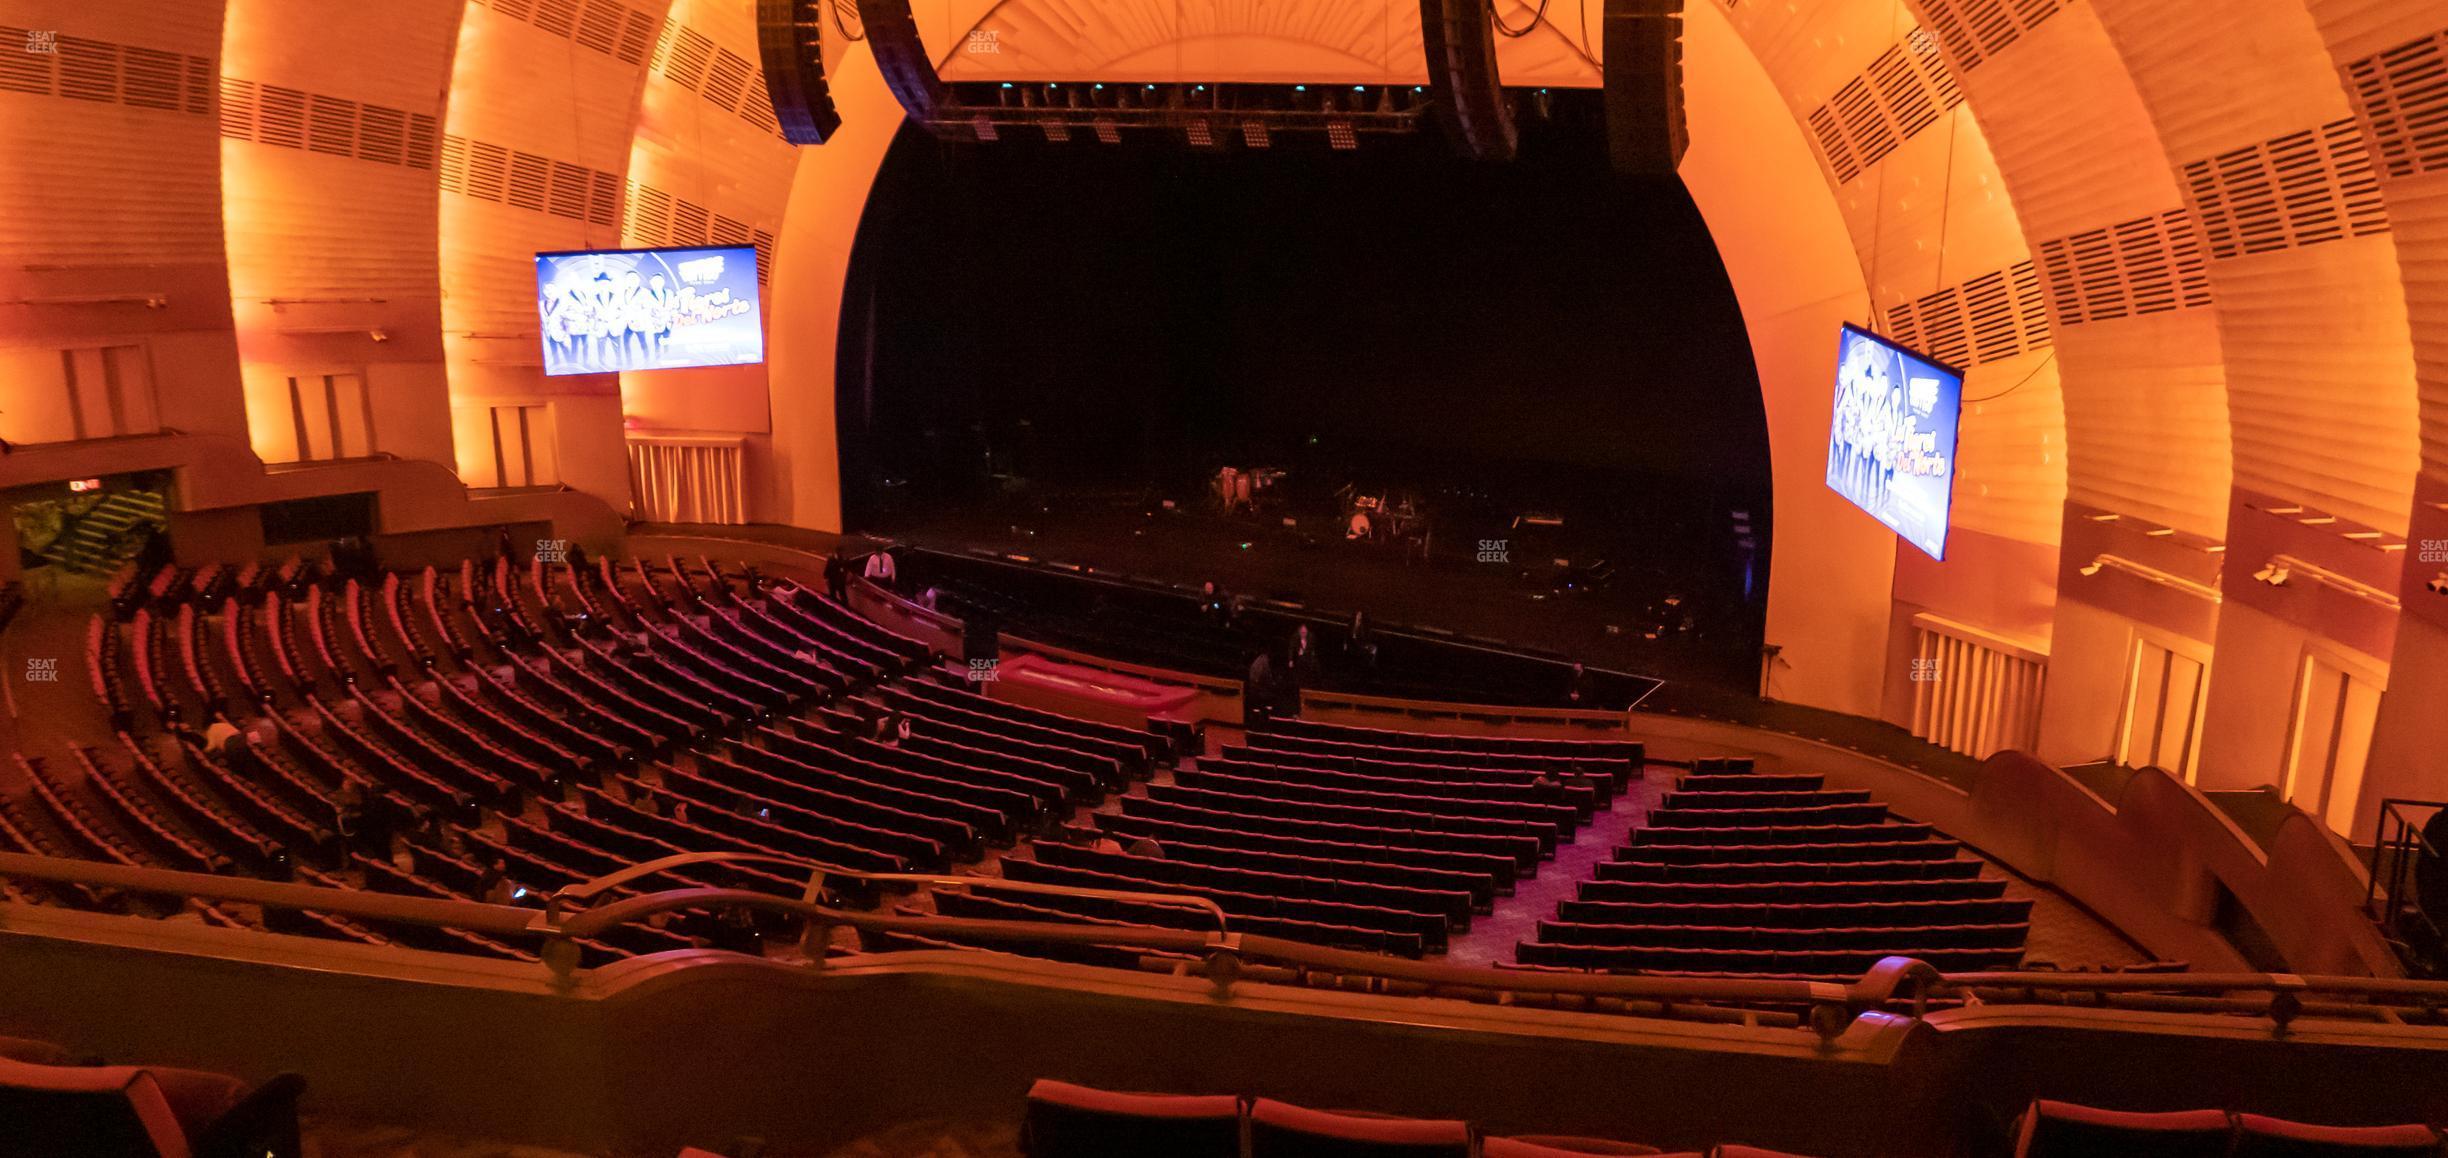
218, 734
930, 597
1147, 847
891, 729
493, 883
1549, 789
349, 808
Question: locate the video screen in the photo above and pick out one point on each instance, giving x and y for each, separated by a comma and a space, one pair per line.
605, 311
1891, 446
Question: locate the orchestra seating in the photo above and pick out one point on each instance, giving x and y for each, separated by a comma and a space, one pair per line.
50, 1107
1336, 842
2063, 1130
1071, 1121
498, 731
1750, 873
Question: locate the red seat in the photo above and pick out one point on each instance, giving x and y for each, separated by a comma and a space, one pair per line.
1554, 1146
2264, 1137
1068, 1121
53, 1110
1283, 1130
2054, 1129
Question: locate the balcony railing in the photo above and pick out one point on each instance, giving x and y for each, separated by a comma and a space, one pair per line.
1896, 986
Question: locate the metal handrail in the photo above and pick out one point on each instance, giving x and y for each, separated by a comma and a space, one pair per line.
2398, 834
1893, 982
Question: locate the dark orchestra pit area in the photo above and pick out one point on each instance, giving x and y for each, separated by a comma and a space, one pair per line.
1619, 617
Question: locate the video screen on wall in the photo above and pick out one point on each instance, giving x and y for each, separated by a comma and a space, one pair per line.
1891, 446
605, 311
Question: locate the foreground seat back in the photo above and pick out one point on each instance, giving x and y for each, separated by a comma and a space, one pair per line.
1283, 1130
2065, 1130
1068, 1121
2264, 1137
1557, 1146
46, 1111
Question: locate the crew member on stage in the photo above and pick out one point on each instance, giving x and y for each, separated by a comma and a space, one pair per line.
1359, 644
1307, 664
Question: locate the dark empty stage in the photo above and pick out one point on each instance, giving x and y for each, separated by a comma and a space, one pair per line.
1507, 597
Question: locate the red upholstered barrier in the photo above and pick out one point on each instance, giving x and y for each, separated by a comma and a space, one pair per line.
1283, 1130
1548, 1146
1070, 1121
2063, 1128
2264, 1137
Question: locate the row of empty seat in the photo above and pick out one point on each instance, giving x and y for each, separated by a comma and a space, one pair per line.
1743, 872
1072, 1121
499, 730
1346, 837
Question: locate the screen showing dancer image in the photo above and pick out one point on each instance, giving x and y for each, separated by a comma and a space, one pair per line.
1891, 446
604, 311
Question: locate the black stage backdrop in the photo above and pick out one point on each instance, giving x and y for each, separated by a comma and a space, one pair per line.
1089, 316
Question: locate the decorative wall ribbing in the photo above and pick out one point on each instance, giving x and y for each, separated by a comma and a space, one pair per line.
490, 172
2402, 94
655, 217
1986, 319
2299, 189
81, 68
606, 26
2149, 265
270, 114
1907, 89
727, 80
1975, 30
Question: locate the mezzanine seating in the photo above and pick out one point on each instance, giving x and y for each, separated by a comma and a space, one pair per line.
49, 1109
1064, 1120
2050, 1129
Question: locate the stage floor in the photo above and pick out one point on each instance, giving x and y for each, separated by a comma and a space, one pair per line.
1311, 563
1189, 548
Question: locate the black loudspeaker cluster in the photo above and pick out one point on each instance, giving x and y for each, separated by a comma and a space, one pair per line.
790, 44
1644, 86
1459, 37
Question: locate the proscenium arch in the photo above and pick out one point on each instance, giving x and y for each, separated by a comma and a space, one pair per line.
1785, 250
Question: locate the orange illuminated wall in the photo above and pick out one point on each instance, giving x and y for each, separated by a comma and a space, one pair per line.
330, 127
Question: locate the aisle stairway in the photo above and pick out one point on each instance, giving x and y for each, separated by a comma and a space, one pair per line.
105, 537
